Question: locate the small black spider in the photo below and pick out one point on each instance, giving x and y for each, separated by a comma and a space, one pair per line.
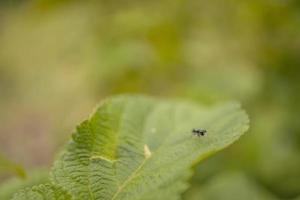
199, 132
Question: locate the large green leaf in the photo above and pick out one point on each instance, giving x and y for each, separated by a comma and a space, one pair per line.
135, 147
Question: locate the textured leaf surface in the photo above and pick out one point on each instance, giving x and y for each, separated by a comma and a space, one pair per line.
142, 148
43, 192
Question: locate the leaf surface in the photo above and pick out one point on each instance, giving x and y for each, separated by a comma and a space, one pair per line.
43, 192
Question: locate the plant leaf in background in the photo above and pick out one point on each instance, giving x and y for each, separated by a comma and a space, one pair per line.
9, 187
135, 147
9, 166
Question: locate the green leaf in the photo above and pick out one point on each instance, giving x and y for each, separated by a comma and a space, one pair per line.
135, 147
43, 192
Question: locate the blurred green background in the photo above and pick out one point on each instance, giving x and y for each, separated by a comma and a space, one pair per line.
59, 58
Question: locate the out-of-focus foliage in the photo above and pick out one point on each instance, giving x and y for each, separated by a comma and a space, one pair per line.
9, 188
58, 58
8, 166
234, 186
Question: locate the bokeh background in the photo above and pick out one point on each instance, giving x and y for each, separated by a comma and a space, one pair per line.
59, 58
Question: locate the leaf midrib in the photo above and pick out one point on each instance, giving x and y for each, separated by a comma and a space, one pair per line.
135, 173
92, 130
132, 176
